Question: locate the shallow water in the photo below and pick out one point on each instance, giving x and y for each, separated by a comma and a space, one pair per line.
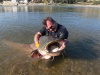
18, 24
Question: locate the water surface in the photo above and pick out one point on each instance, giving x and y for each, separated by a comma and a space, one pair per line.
19, 24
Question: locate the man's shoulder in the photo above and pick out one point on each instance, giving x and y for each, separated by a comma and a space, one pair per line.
42, 30
61, 27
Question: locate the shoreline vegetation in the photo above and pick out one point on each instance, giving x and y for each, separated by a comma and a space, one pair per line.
81, 4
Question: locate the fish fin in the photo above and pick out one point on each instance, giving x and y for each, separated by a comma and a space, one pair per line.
63, 53
52, 58
35, 54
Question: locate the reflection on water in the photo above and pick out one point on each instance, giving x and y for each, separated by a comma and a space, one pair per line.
18, 24
50, 9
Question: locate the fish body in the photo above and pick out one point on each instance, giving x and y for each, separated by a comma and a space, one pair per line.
49, 46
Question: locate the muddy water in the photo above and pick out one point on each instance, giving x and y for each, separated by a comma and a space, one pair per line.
18, 24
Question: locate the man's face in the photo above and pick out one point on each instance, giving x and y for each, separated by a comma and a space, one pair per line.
50, 26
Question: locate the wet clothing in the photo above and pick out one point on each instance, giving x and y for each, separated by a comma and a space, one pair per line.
61, 32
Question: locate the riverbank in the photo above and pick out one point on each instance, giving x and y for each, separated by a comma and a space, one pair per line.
57, 4
44, 4
78, 5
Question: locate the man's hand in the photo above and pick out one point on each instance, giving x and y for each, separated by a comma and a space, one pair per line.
37, 45
64, 44
62, 47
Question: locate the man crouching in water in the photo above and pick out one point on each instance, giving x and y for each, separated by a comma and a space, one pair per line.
52, 28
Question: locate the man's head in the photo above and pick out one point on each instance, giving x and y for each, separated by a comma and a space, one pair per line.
50, 24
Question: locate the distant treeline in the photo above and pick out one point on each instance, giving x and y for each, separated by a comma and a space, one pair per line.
64, 1
59, 1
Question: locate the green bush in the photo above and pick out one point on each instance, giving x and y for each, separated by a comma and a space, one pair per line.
96, 2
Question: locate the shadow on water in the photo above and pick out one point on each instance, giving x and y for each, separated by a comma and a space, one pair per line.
57, 60
82, 49
79, 50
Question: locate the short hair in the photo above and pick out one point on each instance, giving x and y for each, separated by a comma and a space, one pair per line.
48, 18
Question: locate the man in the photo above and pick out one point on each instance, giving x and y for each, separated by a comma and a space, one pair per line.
52, 28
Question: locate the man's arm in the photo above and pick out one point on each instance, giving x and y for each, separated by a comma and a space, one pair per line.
38, 35
62, 46
64, 36
36, 38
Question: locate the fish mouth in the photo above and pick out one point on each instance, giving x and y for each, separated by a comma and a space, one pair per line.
52, 45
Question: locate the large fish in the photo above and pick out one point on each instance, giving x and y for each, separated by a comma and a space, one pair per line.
49, 46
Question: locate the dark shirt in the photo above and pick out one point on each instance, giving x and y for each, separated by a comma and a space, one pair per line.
61, 32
